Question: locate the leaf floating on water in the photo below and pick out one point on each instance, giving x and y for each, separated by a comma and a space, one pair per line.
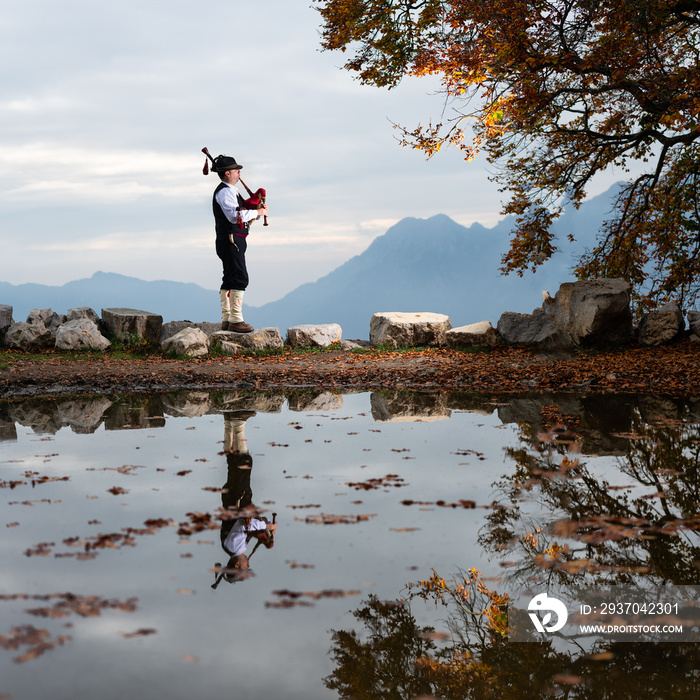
288, 604
85, 606
377, 483
462, 503
31, 503
184, 472
143, 632
464, 453
38, 640
329, 519
289, 599
41, 550
127, 469
296, 565
117, 490
11, 484
158, 522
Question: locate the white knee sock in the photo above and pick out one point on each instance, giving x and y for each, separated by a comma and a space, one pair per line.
225, 295
236, 312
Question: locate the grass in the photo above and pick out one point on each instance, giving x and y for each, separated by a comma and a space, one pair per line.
134, 349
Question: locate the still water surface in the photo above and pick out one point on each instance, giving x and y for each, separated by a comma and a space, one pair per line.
112, 583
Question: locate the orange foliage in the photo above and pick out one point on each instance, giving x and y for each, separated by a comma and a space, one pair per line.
555, 93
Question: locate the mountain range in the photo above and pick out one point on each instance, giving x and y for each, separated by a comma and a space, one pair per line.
418, 265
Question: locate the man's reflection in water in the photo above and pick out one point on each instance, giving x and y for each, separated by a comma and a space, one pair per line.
237, 498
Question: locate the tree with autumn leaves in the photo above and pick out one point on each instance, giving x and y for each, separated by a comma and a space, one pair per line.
555, 92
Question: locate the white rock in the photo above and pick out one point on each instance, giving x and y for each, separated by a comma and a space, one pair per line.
191, 404
311, 336
403, 329
28, 336
481, 334
127, 323
315, 401
83, 312
78, 334
259, 339
191, 342
661, 325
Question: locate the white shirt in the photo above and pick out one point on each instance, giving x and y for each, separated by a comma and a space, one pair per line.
236, 540
227, 197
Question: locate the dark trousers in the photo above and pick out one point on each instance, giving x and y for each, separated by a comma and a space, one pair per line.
232, 256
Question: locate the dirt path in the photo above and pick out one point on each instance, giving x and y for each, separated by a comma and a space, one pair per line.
672, 370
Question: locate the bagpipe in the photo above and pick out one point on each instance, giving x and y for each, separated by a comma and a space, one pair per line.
255, 199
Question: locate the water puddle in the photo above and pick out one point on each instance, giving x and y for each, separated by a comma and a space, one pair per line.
127, 569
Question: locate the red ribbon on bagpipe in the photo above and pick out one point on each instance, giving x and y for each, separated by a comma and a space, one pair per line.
255, 199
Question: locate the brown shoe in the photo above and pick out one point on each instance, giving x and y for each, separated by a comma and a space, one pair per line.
241, 327
225, 325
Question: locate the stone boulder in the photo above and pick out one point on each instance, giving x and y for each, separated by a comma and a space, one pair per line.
693, 325
314, 401
259, 339
6, 320
169, 329
401, 329
310, 336
47, 318
189, 404
227, 401
356, 344
226, 347
79, 334
28, 336
661, 325
191, 342
84, 414
593, 313
536, 329
83, 312
401, 406
126, 324
481, 334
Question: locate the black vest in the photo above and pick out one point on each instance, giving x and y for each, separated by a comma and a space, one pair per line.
224, 228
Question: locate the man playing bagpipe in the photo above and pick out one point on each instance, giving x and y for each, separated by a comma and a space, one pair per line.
233, 216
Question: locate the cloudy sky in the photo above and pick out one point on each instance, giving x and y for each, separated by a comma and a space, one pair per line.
105, 108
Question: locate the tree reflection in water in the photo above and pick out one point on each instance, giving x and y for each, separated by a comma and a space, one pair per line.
557, 519
586, 529
646, 529
397, 659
